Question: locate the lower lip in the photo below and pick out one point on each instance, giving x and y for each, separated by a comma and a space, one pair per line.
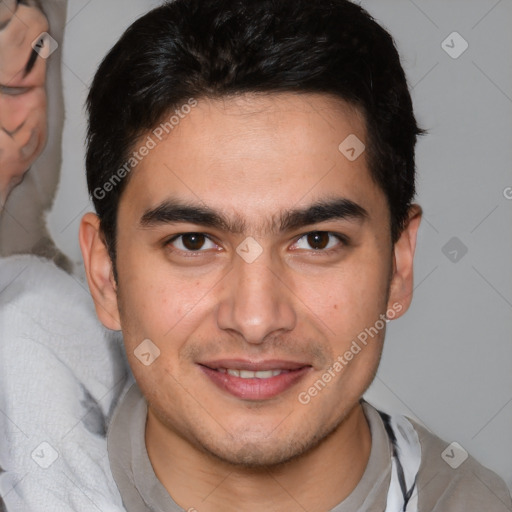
255, 389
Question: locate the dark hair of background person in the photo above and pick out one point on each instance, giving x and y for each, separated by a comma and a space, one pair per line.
219, 48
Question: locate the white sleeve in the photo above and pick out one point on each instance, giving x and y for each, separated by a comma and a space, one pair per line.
61, 374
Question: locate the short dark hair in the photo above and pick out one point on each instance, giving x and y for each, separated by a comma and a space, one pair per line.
216, 48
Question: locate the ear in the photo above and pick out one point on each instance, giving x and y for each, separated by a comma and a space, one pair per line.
99, 271
403, 255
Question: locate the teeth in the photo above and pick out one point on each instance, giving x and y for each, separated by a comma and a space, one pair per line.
247, 374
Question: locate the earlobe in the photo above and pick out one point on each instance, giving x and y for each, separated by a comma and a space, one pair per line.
402, 281
98, 268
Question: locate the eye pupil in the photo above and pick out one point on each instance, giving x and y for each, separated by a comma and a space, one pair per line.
193, 241
318, 240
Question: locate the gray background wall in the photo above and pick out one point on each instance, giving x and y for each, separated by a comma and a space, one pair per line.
448, 362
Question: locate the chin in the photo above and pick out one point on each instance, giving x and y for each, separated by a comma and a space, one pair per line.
257, 455
266, 451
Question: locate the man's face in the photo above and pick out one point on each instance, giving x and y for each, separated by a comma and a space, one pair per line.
272, 292
23, 128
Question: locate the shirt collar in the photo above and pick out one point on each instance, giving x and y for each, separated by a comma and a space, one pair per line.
143, 492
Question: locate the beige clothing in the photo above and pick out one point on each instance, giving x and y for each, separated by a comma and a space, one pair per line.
469, 488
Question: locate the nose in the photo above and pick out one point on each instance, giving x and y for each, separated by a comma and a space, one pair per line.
256, 303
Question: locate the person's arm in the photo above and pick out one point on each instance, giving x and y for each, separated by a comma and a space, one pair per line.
61, 374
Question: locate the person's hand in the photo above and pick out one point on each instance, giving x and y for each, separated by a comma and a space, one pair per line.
23, 127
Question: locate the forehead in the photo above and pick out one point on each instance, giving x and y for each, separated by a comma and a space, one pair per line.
254, 155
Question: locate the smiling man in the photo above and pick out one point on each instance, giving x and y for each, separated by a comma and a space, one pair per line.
252, 169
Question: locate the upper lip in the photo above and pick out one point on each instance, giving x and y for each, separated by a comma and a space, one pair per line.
255, 366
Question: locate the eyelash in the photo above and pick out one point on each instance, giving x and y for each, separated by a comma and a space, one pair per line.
344, 242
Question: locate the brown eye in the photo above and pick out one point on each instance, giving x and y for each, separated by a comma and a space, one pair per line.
318, 240
191, 242
321, 241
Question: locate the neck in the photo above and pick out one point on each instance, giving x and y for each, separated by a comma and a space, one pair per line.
317, 481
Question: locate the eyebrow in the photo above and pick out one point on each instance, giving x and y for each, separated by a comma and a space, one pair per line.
172, 211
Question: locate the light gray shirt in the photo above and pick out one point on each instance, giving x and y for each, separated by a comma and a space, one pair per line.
469, 488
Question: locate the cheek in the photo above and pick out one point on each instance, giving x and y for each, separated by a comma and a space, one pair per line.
34, 104
349, 298
147, 308
12, 167
156, 301
39, 109
28, 108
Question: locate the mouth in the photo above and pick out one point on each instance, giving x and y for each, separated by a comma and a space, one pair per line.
249, 380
